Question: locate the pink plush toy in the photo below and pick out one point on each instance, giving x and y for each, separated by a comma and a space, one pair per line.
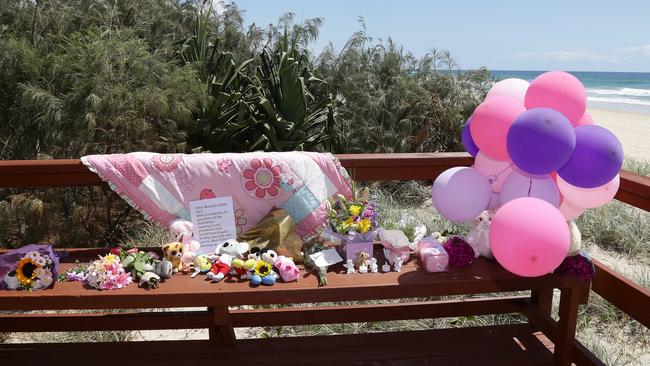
479, 236
288, 270
182, 231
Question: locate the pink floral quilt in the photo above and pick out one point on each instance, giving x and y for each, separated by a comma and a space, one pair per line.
161, 186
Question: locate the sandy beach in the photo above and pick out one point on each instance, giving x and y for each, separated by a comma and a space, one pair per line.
632, 129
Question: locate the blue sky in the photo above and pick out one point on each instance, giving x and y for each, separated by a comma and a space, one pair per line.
502, 35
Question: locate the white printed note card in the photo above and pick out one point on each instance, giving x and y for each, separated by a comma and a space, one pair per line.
214, 222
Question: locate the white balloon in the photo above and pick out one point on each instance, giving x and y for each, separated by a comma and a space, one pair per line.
511, 87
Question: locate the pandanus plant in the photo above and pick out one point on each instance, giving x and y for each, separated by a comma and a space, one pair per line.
267, 107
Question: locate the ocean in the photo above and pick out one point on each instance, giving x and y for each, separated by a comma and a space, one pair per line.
623, 91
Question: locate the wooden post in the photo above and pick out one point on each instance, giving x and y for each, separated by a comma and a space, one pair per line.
566, 329
221, 332
543, 299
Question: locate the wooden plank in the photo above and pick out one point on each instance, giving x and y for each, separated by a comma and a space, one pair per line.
221, 329
541, 320
566, 328
483, 276
30, 322
496, 345
623, 293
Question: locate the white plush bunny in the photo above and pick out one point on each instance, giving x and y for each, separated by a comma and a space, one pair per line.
479, 237
374, 268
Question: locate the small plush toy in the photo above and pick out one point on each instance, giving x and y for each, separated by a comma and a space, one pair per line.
576, 239
226, 252
288, 270
269, 255
173, 253
350, 267
182, 231
243, 267
263, 274
361, 260
479, 237
202, 264
374, 268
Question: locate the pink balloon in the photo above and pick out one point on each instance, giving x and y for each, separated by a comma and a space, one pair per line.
529, 237
584, 120
519, 185
512, 87
558, 90
569, 210
589, 197
490, 124
496, 171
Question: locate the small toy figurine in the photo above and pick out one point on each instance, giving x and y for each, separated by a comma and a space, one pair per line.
173, 253
182, 231
397, 267
385, 267
243, 268
263, 274
201, 265
288, 270
374, 268
228, 251
269, 255
350, 267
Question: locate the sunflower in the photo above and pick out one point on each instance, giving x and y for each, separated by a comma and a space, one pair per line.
26, 271
364, 226
263, 268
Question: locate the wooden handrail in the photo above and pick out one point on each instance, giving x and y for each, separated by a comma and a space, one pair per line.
618, 290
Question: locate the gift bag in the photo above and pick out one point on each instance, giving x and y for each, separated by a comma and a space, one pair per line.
276, 231
32, 267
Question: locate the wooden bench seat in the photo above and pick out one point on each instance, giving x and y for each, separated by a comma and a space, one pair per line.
495, 345
298, 305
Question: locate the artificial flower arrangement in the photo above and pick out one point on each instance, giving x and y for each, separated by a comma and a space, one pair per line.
145, 267
32, 267
107, 273
352, 224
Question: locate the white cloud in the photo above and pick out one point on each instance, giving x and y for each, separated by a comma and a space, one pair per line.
643, 50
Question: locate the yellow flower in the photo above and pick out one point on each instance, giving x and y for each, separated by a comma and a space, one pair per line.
26, 271
111, 259
364, 226
355, 210
263, 268
349, 221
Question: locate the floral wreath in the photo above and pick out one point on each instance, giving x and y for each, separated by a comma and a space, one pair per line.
32, 272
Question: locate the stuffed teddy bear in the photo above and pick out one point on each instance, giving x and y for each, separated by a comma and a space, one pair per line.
182, 231
576, 239
479, 237
362, 262
288, 270
226, 252
173, 253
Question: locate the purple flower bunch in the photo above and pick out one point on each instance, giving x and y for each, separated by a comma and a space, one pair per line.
460, 253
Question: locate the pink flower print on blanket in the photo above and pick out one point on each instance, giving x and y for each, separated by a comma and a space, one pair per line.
263, 178
207, 194
240, 220
167, 162
224, 165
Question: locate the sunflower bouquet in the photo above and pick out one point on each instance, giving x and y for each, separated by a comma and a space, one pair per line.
33, 267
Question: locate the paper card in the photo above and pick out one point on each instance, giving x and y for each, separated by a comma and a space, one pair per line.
214, 222
326, 257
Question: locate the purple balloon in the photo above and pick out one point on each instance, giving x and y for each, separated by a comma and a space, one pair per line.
460, 193
468, 142
541, 140
518, 185
597, 158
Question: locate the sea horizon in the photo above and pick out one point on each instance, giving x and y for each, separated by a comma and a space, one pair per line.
609, 90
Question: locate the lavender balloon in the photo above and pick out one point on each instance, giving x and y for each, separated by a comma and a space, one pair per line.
468, 142
518, 185
460, 193
597, 158
541, 140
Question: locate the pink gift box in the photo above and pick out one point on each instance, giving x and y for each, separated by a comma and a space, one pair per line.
433, 256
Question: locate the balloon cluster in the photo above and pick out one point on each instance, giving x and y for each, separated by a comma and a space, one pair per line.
539, 161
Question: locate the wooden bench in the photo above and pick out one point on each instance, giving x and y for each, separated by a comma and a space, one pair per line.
540, 341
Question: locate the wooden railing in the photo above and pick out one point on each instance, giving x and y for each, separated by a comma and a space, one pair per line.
621, 292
